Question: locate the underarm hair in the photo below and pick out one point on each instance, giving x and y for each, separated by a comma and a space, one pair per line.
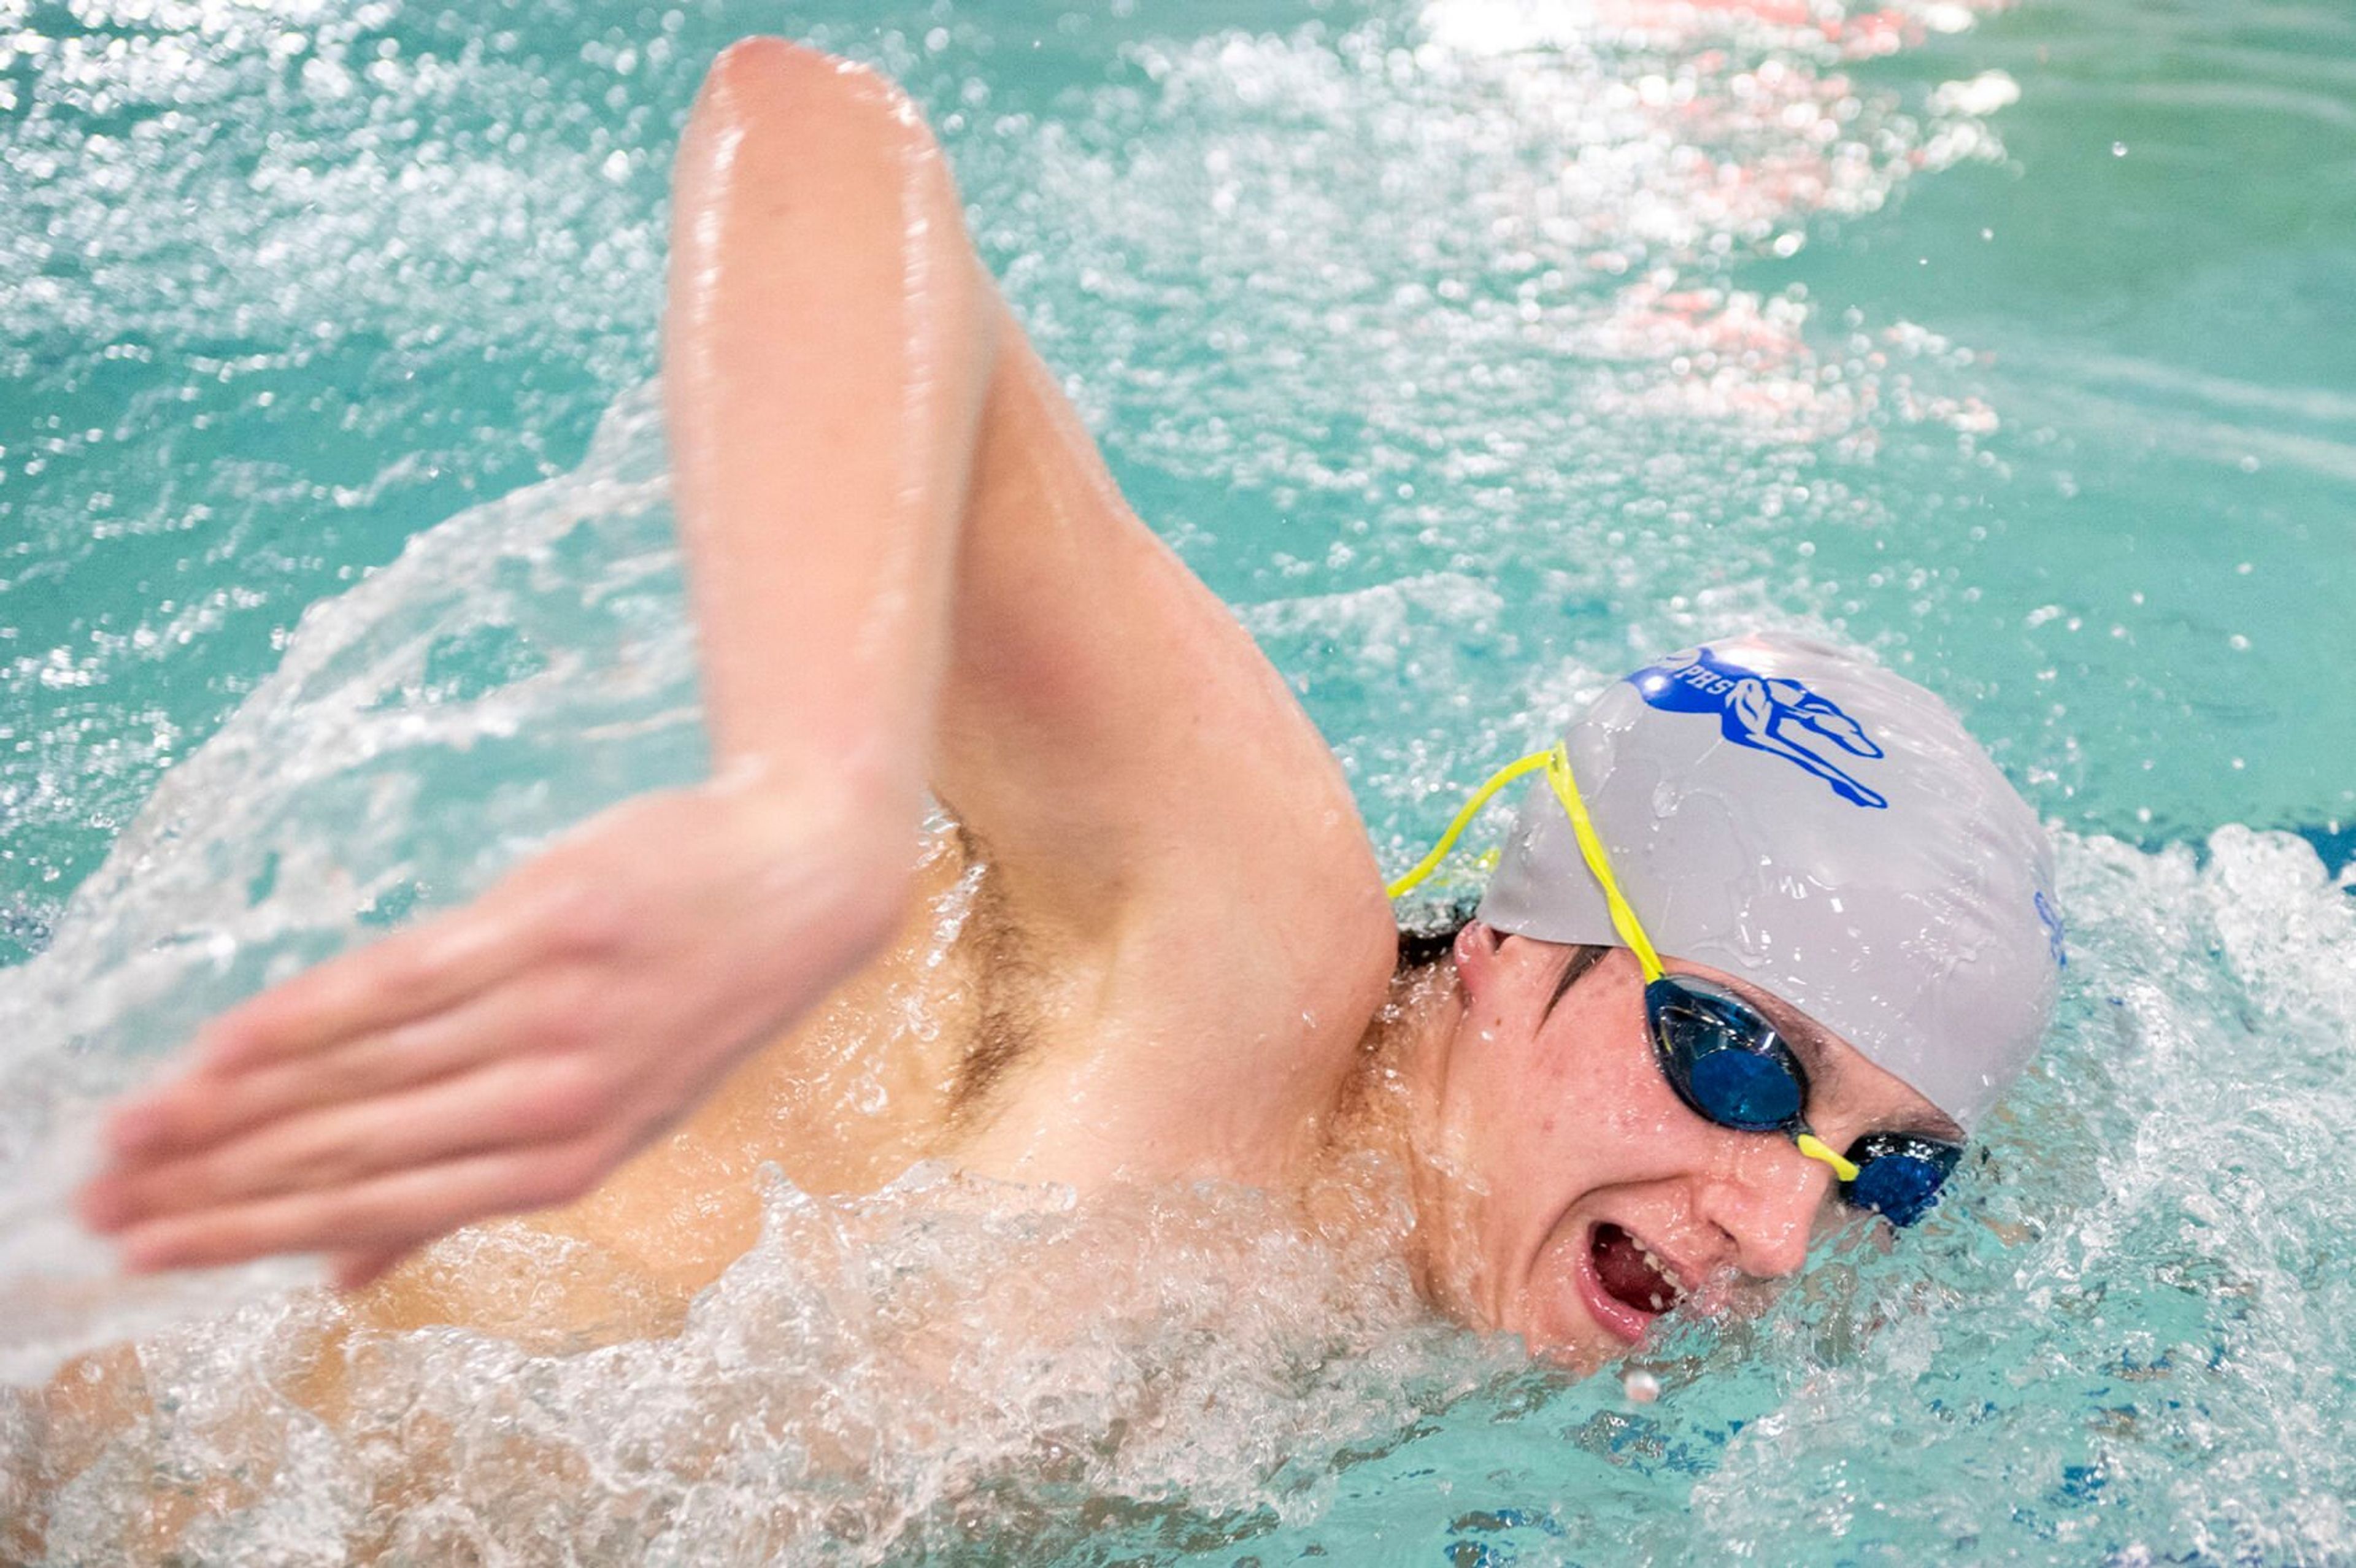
1006, 974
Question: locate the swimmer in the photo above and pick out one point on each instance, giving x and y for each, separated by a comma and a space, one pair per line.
1768, 937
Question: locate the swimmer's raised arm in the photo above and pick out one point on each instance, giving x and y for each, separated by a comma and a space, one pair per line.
828, 346
909, 564
828, 349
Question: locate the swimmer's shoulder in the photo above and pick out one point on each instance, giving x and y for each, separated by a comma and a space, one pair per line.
1190, 1039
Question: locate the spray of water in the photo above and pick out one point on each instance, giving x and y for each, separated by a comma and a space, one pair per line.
519, 666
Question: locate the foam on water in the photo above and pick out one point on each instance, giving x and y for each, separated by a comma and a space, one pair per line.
942, 1362
2133, 1328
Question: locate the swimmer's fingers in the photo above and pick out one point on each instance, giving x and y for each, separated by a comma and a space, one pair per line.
408, 975
644, 957
403, 979
530, 1101
384, 1216
207, 1107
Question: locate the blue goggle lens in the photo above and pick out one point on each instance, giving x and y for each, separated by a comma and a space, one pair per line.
1739, 1088
1898, 1177
1725, 1061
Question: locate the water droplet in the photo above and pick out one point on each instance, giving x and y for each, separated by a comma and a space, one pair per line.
2118, 149
1641, 1387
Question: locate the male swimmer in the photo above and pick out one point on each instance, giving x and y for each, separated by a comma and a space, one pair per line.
1769, 936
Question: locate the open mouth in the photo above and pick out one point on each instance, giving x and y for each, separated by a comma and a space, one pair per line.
1631, 1274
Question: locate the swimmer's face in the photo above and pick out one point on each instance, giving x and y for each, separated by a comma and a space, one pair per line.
1578, 1199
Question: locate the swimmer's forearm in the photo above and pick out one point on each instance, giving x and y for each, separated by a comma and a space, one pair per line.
829, 343
827, 350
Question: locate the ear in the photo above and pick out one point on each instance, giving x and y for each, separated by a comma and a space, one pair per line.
1477, 948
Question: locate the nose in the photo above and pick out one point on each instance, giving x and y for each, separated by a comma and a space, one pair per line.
1766, 1195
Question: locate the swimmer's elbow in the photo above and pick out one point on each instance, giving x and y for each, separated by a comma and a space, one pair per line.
775, 80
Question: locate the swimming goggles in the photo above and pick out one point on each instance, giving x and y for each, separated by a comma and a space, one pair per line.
1723, 1058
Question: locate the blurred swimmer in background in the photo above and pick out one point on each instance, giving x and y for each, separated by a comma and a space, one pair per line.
1769, 935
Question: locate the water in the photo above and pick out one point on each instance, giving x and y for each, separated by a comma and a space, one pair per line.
1470, 349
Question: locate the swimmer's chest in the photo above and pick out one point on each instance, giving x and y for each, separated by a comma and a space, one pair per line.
967, 1041
978, 1041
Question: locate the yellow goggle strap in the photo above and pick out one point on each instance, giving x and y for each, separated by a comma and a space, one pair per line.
1623, 919
1815, 1147
1481, 797
1555, 761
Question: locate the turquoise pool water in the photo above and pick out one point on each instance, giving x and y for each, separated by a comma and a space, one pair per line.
1469, 348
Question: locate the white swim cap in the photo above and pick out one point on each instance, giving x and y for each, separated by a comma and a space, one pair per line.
1823, 829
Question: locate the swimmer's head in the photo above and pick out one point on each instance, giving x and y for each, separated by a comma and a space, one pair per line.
1826, 832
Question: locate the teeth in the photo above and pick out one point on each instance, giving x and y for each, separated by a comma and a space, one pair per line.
1660, 1266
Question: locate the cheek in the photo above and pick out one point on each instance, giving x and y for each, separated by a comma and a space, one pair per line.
1636, 1103
1528, 1091
1544, 1120
1593, 1112
1590, 1081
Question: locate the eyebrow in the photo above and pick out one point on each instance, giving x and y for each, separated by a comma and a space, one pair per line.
1583, 958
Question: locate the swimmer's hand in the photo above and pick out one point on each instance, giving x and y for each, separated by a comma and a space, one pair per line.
508, 1056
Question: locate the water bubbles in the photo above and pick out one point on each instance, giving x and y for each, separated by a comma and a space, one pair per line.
945, 1359
1640, 1386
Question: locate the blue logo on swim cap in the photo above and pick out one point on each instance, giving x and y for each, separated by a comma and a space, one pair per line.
2051, 918
1761, 712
